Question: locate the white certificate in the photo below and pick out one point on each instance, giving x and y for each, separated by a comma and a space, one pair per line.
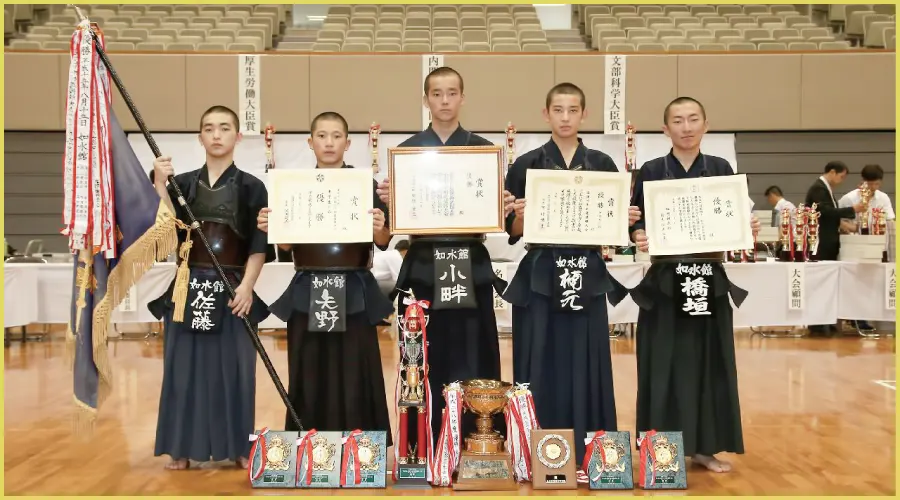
446, 190
320, 205
698, 215
566, 207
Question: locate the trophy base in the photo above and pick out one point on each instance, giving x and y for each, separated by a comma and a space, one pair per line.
412, 477
485, 444
485, 472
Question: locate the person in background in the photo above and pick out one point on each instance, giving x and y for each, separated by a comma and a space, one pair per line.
776, 198
872, 175
822, 194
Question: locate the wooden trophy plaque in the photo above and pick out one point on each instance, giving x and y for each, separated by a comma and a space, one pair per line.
553, 460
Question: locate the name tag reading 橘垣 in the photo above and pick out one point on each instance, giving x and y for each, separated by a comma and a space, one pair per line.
320, 206
206, 302
694, 293
453, 284
698, 215
580, 208
446, 190
327, 303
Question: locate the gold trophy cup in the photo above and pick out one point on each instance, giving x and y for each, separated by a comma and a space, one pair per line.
485, 465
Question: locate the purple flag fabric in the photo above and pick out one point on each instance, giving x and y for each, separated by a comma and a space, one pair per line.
146, 232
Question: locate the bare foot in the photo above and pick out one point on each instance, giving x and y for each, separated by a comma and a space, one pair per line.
712, 463
180, 464
242, 462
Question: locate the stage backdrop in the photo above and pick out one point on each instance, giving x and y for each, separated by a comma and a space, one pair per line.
293, 151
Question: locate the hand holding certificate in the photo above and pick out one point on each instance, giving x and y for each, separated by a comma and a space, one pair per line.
699, 215
576, 208
320, 206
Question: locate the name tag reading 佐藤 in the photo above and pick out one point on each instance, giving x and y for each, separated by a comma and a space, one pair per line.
206, 303
320, 206
446, 190
580, 208
699, 215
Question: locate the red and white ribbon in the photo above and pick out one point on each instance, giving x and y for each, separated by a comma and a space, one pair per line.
351, 451
589, 452
648, 459
259, 443
520, 421
89, 202
304, 446
448, 445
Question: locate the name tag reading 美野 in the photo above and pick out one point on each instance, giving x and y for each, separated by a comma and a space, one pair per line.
327, 303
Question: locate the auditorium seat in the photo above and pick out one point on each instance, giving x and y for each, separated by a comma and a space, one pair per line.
468, 28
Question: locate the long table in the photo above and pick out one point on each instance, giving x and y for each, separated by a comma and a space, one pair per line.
42, 293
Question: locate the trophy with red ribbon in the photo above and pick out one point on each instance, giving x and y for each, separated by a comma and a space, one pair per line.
662, 463
374, 132
786, 248
630, 150
269, 137
510, 143
812, 224
865, 194
413, 456
800, 235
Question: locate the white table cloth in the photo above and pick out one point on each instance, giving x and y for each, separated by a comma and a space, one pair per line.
862, 292
42, 293
767, 302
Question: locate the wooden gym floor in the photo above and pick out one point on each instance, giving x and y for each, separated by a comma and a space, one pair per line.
818, 416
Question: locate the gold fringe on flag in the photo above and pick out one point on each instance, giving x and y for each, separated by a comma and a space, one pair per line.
157, 243
182, 277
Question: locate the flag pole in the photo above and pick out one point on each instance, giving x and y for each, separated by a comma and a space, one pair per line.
194, 222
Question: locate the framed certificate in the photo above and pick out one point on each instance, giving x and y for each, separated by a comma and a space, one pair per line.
446, 190
705, 214
320, 205
566, 207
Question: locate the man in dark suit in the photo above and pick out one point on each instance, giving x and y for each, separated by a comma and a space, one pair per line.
822, 194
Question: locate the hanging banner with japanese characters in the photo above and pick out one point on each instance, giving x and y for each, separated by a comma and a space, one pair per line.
327, 303
694, 294
614, 99
890, 287
129, 303
206, 301
320, 205
453, 284
570, 271
500, 269
430, 62
576, 208
698, 215
249, 94
796, 285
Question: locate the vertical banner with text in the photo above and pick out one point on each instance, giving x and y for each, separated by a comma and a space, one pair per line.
430, 62
249, 93
796, 286
614, 95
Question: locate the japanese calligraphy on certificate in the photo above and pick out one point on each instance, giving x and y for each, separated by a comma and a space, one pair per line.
705, 214
446, 190
320, 205
249, 93
576, 207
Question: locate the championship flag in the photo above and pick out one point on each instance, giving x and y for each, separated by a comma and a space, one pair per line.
116, 222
